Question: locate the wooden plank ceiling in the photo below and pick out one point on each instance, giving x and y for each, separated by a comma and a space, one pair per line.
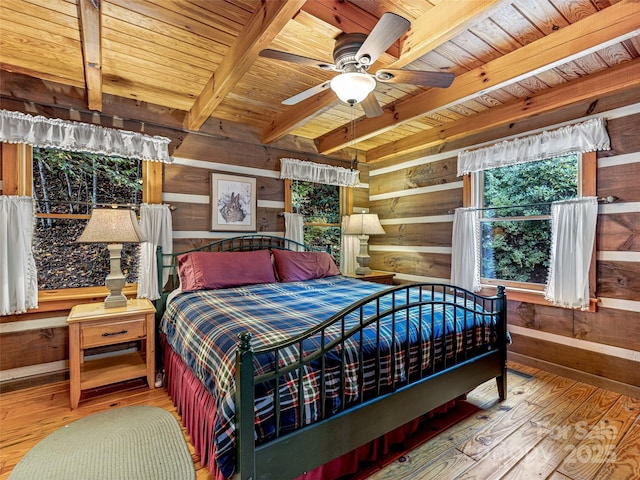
512, 59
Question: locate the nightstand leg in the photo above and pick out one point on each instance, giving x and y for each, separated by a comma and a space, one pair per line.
150, 350
74, 364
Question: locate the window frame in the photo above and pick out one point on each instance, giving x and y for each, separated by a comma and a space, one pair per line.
530, 292
345, 203
17, 179
345, 195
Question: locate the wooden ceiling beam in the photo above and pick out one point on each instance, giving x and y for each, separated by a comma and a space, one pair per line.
438, 26
263, 26
441, 24
90, 35
298, 114
607, 27
608, 82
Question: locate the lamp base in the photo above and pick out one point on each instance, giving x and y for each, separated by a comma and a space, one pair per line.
115, 301
363, 257
363, 271
115, 281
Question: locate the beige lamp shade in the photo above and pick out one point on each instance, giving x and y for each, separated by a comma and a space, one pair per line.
364, 224
114, 227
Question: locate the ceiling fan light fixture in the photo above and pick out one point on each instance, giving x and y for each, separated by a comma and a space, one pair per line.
353, 87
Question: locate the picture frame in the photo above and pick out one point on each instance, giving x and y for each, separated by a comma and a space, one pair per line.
233, 203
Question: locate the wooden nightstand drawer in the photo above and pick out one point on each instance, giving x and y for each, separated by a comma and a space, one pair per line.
112, 332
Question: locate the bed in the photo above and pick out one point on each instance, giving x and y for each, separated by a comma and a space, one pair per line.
276, 373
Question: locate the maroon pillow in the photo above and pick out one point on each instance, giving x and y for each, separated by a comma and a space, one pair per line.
209, 270
294, 266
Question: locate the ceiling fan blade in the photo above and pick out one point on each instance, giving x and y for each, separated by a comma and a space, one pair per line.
415, 77
388, 29
371, 106
307, 93
293, 58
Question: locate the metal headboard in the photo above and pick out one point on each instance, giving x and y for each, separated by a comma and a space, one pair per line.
243, 243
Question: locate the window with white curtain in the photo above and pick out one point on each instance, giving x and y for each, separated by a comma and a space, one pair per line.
529, 193
66, 187
319, 204
20, 133
61, 214
514, 205
316, 192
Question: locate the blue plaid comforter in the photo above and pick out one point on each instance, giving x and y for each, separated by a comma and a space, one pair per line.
202, 327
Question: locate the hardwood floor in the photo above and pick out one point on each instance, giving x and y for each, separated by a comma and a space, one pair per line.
549, 427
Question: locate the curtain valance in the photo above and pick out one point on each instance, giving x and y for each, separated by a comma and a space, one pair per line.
579, 138
318, 173
39, 131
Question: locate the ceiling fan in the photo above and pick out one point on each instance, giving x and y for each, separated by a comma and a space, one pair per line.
353, 54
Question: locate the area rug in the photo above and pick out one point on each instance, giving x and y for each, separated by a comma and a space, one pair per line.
127, 443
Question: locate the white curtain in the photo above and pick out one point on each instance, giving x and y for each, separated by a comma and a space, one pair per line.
465, 249
155, 222
18, 276
579, 138
318, 173
294, 227
573, 231
349, 248
17, 127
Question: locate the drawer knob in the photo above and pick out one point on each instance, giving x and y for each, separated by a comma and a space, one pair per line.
121, 332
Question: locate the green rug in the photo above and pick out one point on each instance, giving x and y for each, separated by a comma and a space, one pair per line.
127, 443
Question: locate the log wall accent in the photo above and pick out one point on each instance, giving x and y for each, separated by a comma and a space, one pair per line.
34, 347
424, 175
407, 234
595, 363
423, 204
619, 232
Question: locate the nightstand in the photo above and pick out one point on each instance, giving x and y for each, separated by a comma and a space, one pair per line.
91, 325
376, 277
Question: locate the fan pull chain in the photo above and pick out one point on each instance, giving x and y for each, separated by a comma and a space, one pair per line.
354, 160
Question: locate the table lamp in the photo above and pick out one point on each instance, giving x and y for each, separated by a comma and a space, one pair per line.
363, 225
114, 227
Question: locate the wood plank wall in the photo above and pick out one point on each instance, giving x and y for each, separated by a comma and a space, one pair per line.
415, 199
187, 185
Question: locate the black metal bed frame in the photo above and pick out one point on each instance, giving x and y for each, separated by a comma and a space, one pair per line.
447, 377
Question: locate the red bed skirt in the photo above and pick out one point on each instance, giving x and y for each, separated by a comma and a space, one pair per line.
197, 410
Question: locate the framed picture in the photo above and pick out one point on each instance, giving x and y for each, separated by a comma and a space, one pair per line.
233, 203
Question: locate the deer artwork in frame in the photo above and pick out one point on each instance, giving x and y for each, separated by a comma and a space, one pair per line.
233, 203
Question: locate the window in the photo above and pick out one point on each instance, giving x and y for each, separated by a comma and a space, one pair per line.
515, 225
66, 186
320, 206
18, 176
